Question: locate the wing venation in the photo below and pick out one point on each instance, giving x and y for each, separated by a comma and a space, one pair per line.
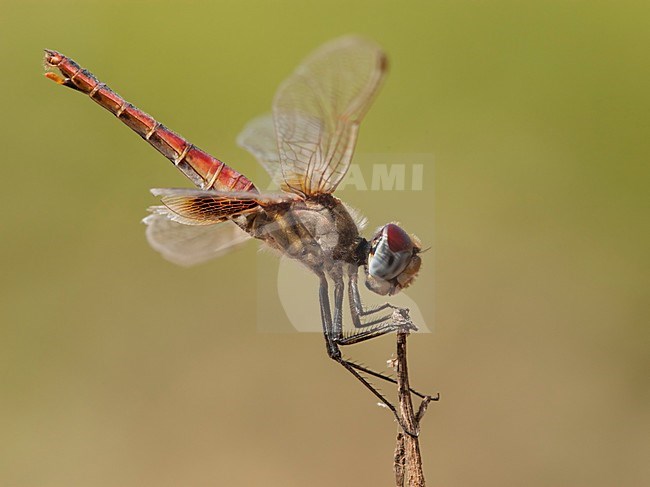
317, 111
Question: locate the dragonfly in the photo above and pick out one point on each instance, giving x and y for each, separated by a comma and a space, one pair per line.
306, 145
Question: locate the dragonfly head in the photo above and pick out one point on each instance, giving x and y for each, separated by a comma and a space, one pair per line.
393, 260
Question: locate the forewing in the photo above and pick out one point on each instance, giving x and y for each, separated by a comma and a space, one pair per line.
258, 138
192, 244
317, 111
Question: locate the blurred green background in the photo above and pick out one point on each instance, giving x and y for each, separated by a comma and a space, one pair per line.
120, 369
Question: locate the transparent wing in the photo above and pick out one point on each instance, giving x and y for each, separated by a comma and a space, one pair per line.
317, 111
192, 244
201, 207
258, 138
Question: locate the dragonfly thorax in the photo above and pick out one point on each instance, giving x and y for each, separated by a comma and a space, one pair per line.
318, 231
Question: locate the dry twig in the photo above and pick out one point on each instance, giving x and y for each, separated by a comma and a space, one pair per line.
408, 460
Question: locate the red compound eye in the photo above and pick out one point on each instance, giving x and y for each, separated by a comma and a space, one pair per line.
398, 239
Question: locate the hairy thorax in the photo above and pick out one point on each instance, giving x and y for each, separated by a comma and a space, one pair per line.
318, 231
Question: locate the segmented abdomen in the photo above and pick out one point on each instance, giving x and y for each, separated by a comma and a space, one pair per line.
204, 170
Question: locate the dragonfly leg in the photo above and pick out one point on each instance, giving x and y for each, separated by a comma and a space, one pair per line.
326, 318
332, 329
357, 310
378, 327
337, 330
369, 333
372, 329
387, 378
329, 328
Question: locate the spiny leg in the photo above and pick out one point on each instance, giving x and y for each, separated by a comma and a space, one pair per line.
356, 308
372, 329
326, 319
333, 349
334, 337
387, 378
383, 327
363, 336
377, 328
337, 327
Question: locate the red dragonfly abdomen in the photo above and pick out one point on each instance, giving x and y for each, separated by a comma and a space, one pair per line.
205, 171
